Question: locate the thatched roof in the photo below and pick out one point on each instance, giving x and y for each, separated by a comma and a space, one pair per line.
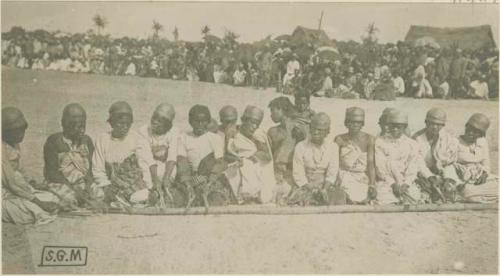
465, 38
303, 35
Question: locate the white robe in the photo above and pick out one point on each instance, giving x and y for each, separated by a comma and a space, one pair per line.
255, 179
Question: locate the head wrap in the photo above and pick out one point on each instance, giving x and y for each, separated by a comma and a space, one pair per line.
321, 121
479, 121
397, 117
72, 111
436, 115
199, 109
120, 108
12, 118
165, 110
228, 112
355, 114
253, 112
382, 119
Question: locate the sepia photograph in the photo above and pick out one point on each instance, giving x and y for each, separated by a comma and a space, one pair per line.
151, 137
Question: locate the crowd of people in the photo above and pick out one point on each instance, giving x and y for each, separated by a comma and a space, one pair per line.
234, 161
349, 70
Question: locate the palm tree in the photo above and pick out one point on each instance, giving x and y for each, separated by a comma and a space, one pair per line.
205, 31
230, 38
371, 32
176, 33
100, 22
157, 27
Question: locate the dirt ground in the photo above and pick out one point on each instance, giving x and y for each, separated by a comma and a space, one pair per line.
329, 243
299, 244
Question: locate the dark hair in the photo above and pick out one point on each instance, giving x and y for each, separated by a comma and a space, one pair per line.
196, 109
282, 103
302, 94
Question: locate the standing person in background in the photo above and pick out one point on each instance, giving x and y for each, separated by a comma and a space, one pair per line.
157, 150
239, 76
356, 158
20, 201
399, 83
456, 80
292, 69
68, 158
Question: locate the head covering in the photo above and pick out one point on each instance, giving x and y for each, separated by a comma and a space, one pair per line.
72, 111
12, 118
199, 109
396, 117
321, 121
382, 119
253, 112
228, 112
165, 110
479, 121
355, 114
120, 107
436, 115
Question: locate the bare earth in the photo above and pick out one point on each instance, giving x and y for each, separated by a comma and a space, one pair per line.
329, 243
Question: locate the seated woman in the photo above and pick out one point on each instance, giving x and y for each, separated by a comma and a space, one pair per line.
157, 150
118, 176
254, 177
357, 158
315, 165
397, 161
21, 203
68, 158
200, 161
472, 169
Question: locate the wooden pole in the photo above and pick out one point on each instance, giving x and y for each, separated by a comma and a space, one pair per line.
320, 20
290, 210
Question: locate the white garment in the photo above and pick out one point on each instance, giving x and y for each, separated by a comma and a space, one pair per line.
239, 77
151, 148
292, 66
111, 150
441, 155
254, 179
314, 164
399, 85
195, 148
480, 89
396, 162
131, 71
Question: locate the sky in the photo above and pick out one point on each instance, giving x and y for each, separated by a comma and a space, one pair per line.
251, 21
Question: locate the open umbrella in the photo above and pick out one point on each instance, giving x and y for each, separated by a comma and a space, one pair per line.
427, 41
327, 52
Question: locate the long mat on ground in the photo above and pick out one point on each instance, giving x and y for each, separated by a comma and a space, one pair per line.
288, 210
